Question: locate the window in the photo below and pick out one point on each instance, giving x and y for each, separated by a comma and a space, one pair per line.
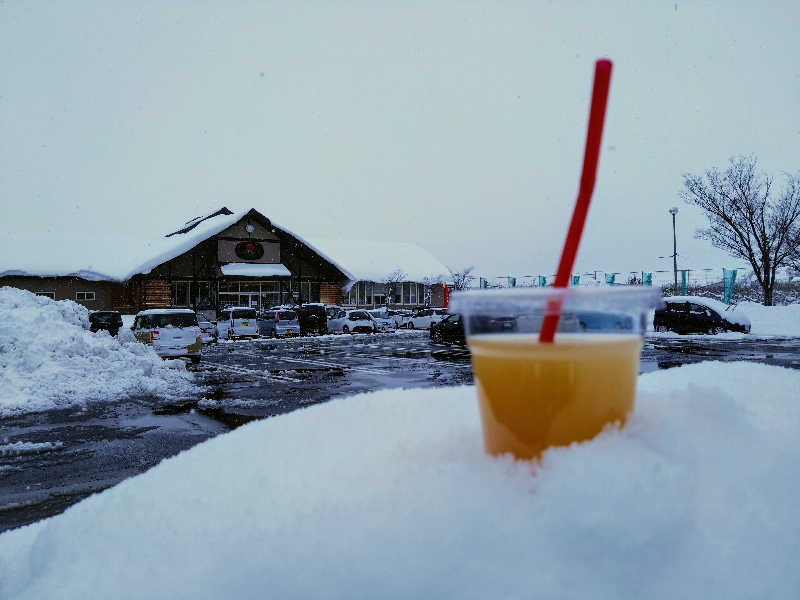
143, 322
413, 292
51, 295
180, 293
175, 320
84, 296
244, 314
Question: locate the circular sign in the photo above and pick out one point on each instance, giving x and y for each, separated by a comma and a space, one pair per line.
249, 250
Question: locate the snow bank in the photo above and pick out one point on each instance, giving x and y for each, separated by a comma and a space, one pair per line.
772, 320
390, 495
49, 359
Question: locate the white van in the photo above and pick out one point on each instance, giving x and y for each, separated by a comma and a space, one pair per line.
173, 332
237, 322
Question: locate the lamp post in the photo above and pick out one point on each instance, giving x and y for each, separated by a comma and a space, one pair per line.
674, 211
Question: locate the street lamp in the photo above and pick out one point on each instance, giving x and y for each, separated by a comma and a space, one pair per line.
674, 211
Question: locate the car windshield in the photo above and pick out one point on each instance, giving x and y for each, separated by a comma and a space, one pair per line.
244, 314
104, 317
174, 320
379, 314
287, 316
202, 319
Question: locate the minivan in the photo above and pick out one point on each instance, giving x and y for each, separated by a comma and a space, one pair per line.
278, 323
172, 332
237, 322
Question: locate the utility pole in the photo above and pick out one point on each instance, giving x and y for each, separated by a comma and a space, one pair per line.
674, 211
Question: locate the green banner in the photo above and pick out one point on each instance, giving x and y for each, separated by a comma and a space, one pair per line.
728, 279
512, 282
610, 277
684, 278
483, 283
647, 279
576, 279
542, 281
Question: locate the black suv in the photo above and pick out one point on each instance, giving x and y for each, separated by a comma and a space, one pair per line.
449, 330
312, 318
105, 320
681, 315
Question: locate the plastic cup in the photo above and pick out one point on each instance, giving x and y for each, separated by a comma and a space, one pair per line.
533, 394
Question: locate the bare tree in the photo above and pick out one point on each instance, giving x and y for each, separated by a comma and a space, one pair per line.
391, 281
745, 218
461, 279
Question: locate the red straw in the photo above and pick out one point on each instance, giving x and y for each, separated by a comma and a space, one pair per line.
594, 134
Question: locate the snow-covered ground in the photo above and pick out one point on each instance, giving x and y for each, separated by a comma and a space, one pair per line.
49, 359
390, 495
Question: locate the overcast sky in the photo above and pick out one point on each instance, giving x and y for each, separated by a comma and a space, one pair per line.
458, 126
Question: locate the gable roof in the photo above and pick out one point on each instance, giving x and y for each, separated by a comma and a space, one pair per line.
106, 257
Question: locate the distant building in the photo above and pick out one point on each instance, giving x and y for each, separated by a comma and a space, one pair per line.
225, 259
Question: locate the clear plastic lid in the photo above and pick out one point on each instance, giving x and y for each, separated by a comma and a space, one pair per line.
621, 309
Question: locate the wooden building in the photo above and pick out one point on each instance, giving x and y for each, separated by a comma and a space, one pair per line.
226, 259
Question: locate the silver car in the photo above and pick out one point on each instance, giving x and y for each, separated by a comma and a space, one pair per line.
278, 323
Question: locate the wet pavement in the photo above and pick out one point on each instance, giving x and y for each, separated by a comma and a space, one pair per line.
50, 460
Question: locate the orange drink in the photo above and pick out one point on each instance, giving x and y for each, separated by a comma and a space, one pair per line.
533, 395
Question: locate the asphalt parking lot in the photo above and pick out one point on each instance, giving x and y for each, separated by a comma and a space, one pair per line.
50, 460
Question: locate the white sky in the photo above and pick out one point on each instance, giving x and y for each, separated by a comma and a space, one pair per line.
459, 126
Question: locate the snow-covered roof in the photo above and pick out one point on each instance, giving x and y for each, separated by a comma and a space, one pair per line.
161, 311
374, 261
99, 256
255, 270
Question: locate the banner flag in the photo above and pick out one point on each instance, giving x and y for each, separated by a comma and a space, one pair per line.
483, 283
610, 277
647, 279
512, 282
728, 279
576, 279
684, 277
542, 281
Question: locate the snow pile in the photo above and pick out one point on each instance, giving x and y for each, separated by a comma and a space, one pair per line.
49, 359
390, 495
772, 320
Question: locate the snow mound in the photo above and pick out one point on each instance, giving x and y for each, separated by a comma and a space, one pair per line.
772, 320
390, 495
49, 359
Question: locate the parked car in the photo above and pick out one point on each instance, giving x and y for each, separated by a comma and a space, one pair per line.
278, 323
358, 321
312, 318
337, 319
237, 322
208, 329
105, 320
173, 332
449, 330
383, 322
422, 319
400, 317
695, 314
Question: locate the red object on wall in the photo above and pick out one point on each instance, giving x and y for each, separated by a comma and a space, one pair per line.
446, 296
